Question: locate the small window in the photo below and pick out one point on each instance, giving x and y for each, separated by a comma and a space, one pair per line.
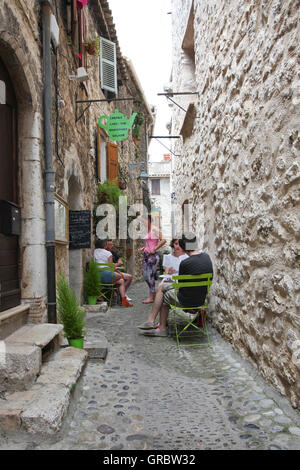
108, 66
155, 187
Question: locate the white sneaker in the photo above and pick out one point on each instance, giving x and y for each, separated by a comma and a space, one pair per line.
128, 298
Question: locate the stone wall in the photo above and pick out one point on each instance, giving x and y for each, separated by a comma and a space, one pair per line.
240, 170
74, 141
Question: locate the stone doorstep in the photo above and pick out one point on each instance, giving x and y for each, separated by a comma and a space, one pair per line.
37, 335
102, 307
42, 408
97, 349
21, 366
12, 319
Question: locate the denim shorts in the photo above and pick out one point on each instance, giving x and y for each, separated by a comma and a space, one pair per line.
107, 277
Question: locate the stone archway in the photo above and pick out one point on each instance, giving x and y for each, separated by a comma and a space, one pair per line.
27, 82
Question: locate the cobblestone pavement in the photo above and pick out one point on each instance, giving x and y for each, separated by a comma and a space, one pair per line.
148, 395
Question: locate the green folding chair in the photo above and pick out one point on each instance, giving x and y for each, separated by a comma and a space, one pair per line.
193, 318
107, 289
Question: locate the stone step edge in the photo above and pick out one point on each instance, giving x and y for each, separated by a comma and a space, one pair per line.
11, 312
36, 335
42, 408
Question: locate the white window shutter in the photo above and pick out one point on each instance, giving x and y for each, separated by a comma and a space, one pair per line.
108, 65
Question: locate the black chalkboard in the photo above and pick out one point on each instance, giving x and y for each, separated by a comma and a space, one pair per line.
79, 229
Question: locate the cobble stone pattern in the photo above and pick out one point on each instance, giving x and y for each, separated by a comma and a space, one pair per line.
149, 395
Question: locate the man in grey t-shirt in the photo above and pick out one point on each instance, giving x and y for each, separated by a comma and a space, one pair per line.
197, 263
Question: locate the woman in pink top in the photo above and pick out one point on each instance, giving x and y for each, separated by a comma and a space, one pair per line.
153, 241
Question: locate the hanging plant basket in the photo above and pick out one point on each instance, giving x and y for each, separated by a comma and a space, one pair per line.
92, 47
122, 185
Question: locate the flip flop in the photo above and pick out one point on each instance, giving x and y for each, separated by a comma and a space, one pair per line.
148, 301
156, 332
148, 325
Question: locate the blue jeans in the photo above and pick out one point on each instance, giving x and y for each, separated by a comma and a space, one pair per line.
107, 277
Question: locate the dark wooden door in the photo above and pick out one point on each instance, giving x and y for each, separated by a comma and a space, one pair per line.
10, 294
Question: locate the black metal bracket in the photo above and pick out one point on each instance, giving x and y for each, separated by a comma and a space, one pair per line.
156, 138
77, 118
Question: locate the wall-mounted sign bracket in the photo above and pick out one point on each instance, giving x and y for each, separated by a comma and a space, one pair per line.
77, 118
166, 137
168, 95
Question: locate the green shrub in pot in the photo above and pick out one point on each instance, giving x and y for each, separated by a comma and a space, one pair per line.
70, 313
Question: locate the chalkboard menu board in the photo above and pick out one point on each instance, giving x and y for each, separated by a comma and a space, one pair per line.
79, 230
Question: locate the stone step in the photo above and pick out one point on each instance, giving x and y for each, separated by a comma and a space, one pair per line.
42, 408
36, 335
12, 319
22, 354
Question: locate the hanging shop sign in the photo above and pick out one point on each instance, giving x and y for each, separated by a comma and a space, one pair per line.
117, 125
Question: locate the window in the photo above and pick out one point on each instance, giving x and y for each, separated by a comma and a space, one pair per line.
108, 66
77, 34
155, 187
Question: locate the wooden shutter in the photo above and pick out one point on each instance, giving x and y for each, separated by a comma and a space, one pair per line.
108, 66
82, 38
112, 162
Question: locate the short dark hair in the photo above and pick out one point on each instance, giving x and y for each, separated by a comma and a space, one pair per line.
189, 241
172, 242
100, 243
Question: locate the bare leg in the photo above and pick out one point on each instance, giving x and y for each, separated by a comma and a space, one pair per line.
150, 299
121, 286
127, 280
157, 304
164, 312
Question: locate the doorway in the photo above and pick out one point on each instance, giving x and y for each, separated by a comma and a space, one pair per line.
10, 293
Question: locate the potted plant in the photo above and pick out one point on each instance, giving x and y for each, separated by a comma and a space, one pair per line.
138, 122
92, 46
70, 313
109, 192
91, 283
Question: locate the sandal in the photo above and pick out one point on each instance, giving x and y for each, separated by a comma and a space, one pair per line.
148, 325
156, 333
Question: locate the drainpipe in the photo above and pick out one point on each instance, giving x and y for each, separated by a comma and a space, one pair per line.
49, 172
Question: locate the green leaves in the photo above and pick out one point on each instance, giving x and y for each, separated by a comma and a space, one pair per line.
70, 313
91, 283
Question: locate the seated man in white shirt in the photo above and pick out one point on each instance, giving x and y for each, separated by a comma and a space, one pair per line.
102, 255
118, 263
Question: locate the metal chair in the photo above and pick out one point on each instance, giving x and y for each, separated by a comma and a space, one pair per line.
193, 318
108, 290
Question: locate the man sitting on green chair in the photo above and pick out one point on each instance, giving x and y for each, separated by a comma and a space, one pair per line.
197, 263
103, 255
117, 260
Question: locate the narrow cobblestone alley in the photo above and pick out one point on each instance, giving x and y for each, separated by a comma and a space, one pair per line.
147, 395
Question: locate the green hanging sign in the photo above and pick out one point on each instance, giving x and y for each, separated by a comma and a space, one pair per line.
117, 125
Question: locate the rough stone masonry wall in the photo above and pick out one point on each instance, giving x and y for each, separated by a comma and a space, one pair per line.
242, 167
